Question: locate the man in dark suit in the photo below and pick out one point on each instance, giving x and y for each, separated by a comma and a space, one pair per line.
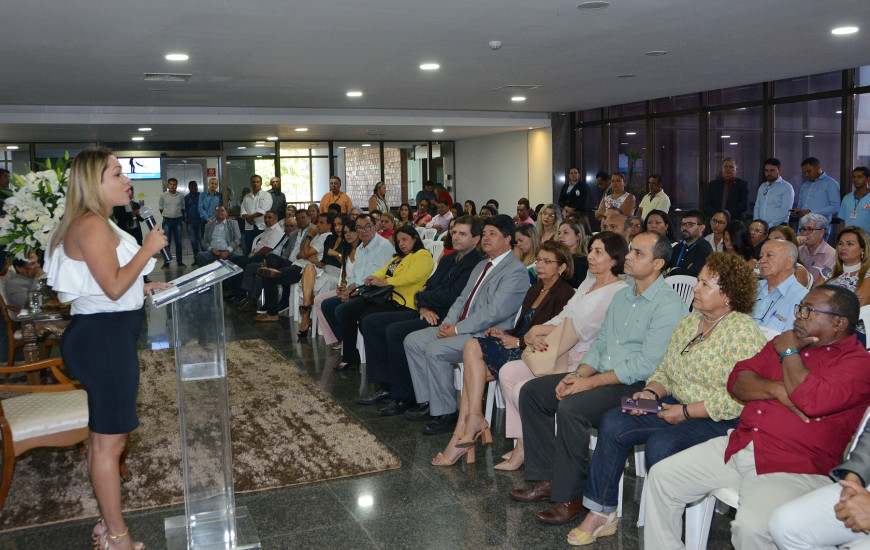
384, 333
491, 298
222, 239
572, 197
727, 193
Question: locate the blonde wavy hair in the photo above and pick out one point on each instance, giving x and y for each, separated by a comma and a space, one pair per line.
83, 194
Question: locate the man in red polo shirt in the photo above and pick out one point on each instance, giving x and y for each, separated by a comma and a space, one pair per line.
805, 393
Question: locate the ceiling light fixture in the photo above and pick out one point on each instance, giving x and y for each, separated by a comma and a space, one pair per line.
518, 98
838, 112
809, 136
430, 66
354, 93
177, 57
144, 129
241, 148
725, 136
844, 30
656, 53
301, 129
437, 130
631, 133
733, 143
272, 138
366, 144
138, 138
12, 147
625, 76
259, 145
593, 5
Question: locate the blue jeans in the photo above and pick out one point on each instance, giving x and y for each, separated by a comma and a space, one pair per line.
194, 233
172, 228
619, 431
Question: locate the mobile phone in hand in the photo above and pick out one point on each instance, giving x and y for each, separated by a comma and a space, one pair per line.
645, 405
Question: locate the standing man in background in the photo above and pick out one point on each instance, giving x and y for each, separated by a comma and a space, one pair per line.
210, 200
172, 208
855, 207
254, 208
192, 218
820, 193
655, 199
335, 196
728, 193
775, 196
279, 202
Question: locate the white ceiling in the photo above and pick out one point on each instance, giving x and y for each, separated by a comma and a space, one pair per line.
73, 70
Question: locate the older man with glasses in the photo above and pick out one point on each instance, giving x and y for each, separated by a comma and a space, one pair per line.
780, 290
814, 252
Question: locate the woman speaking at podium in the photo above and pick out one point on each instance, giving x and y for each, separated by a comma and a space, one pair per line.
99, 268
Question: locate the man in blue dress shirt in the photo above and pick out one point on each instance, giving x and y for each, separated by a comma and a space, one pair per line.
775, 196
820, 193
779, 291
855, 208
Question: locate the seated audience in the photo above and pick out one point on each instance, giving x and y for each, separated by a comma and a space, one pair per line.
633, 227
493, 206
354, 213
816, 254
718, 221
585, 310
491, 298
835, 515
406, 273
487, 212
524, 211
456, 210
615, 223
549, 221
572, 236
422, 216
384, 332
689, 255
656, 199
526, 248
558, 411
313, 211
221, 239
22, 280
266, 242
483, 356
804, 395
403, 215
373, 253
853, 263
736, 241
688, 385
352, 241
779, 290
387, 227
470, 208
786, 233
618, 198
660, 222
758, 230
440, 221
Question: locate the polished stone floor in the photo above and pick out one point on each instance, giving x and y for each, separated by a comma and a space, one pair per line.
417, 506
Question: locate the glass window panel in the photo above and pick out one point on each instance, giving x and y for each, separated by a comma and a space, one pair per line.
863, 76
393, 163
43, 151
17, 160
862, 130
590, 115
358, 164
589, 153
322, 173
296, 179
807, 129
677, 103
249, 149
823, 82
737, 134
677, 149
737, 94
627, 109
628, 154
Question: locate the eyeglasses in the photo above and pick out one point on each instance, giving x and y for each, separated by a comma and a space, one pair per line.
756, 231
368, 226
714, 221
689, 224
805, 230
546, 261
803, 312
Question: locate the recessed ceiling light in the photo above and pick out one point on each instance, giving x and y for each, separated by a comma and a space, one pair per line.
144, 129
259, 145
809, 136
354, 93
430, 66
656, 53
366, 144
242, 148
177, 57
138, 138
301, 129
342, 147
838, 112
631, 133
625, 76
733, 143
12, 147
437, 130
624, 143
259, 156
725, 136
593, 5
518, 99
844, 30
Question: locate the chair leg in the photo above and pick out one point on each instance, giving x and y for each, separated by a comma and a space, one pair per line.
619, 502
122, 463
698, 519
640, 514
490, 401
8, 467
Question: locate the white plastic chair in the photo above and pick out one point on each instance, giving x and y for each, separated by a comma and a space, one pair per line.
639, 471
494, 398
430, 233
865, 316
436, 248
420, 230
684, 285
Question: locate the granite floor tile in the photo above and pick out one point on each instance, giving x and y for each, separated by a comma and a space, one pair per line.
287, 510
341, 536
390, 493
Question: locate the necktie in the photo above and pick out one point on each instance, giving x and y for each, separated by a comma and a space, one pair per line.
726, 190
470, 297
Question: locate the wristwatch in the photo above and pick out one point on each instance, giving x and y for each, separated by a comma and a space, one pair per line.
786, 352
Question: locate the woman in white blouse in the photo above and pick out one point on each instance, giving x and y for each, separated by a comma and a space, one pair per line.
586, 310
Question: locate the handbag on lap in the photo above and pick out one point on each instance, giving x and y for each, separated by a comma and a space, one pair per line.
554, 359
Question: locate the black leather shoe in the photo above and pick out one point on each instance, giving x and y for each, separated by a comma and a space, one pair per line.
395, 408
443, 424
345, 366
375, 397
418, 412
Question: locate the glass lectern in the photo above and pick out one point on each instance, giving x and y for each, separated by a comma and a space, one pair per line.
211, 520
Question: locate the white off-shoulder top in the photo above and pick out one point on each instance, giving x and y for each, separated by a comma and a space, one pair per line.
73, 282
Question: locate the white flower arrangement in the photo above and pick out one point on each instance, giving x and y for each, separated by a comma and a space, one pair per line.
34, 205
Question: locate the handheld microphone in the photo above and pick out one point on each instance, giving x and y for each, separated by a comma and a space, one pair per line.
146, 214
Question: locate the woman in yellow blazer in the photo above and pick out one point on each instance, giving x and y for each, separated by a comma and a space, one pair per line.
407, 272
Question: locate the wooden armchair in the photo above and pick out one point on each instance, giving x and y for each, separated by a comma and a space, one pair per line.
12, 325
52, 415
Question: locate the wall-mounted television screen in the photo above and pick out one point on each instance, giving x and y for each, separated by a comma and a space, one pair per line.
141, 168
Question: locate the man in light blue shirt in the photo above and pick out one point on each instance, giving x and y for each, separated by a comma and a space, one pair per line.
779, 291
775, 196
820, 193
855, 208
633, 339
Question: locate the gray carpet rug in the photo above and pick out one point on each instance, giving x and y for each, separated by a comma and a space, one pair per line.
285, 431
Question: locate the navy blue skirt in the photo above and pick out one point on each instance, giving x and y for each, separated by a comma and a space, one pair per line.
99, 349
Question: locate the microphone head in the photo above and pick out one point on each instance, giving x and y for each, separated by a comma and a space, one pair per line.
145, 212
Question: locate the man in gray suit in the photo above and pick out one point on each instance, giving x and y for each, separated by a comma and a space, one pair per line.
222, 239
491, 298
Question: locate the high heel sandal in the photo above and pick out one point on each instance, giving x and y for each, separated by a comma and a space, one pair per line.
303, 311
582, 538
101, 541
487, 436
466, 452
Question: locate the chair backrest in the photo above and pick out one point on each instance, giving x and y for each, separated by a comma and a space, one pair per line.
8, 316
865, 316
430, 233
769, 333
809, 276
436, 248
858, 433
420, 230
441, 236
684, 285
